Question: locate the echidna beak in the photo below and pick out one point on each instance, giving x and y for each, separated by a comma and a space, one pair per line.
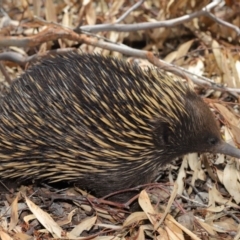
227, 149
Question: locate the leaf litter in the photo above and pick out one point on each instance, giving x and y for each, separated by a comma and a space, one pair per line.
198, 196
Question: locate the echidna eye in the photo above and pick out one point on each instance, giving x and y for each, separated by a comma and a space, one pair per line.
212, 141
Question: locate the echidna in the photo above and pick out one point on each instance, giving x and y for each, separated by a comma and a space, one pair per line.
101, 123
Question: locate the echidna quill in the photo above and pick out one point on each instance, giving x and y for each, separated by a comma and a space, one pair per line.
101, 123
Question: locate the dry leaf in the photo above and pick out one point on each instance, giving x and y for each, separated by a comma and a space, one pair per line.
91, 14
14, 214
110, 226
168, 208
134, 217
182, 52
115, 7
28, 218
85, 225
216, 209
4, 236
215, 196
192, 235
220, 175
45, 219
226, 225
222, 63
50, 11
207, 227
22, 236
163, 234
68, 219
231, 181
174, 232
147, 207
196, 166
232, 67
141, 234
181, 176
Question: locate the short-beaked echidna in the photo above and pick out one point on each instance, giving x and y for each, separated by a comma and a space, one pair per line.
101, 123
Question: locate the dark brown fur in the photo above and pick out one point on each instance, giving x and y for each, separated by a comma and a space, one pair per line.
99, 122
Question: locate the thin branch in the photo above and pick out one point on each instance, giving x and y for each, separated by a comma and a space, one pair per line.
135, 6
146, 25
23, 60
222, 22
